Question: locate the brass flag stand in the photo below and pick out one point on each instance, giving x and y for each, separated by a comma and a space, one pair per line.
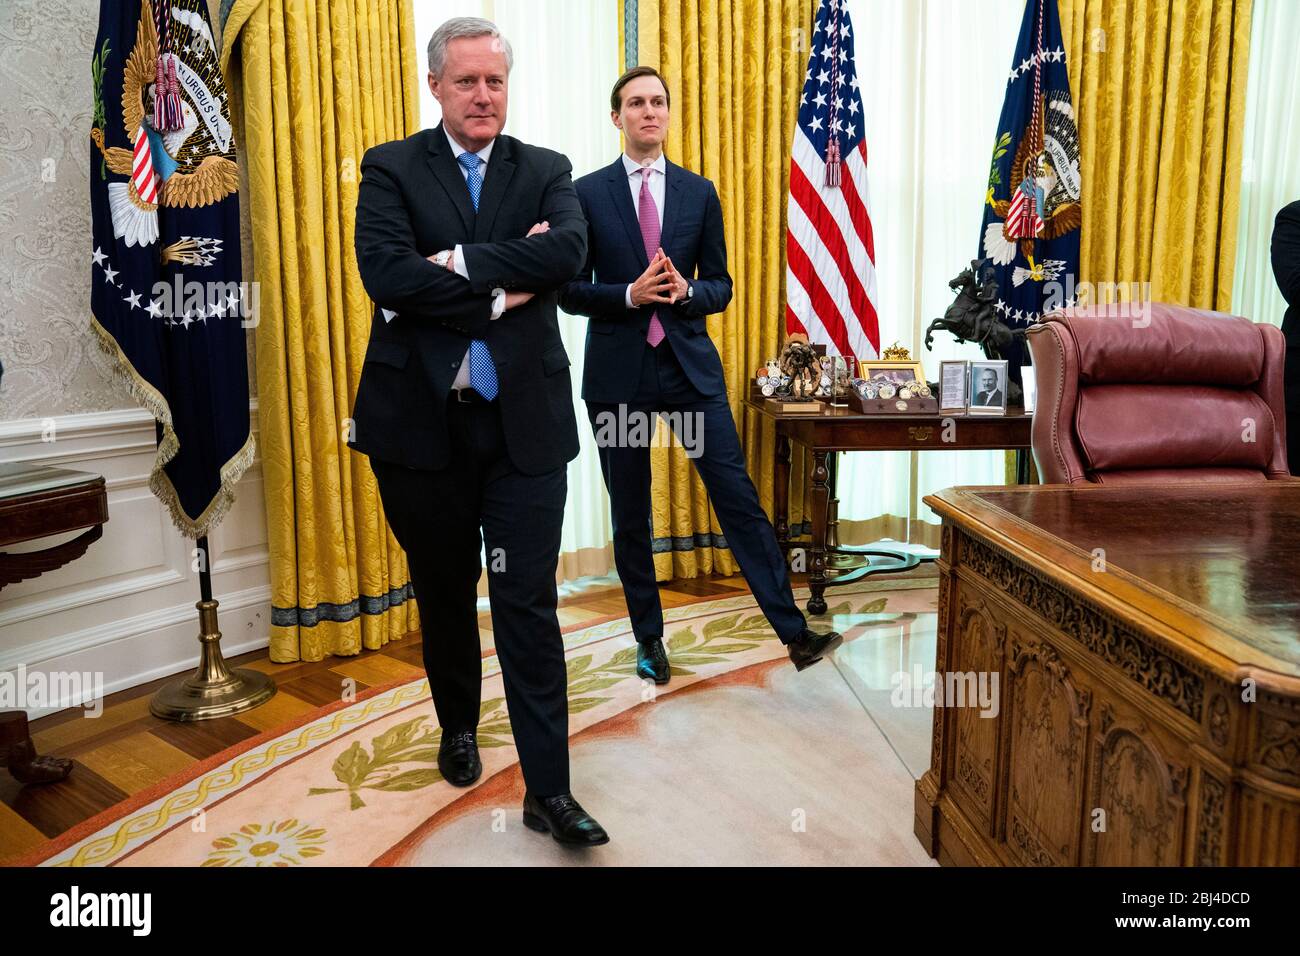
214, 690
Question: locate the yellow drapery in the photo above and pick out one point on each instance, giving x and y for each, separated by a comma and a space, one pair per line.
734, 70
315, 84
1160, 96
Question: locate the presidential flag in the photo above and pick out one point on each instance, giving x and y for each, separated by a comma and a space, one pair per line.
167, 301
830, 253
1032, 212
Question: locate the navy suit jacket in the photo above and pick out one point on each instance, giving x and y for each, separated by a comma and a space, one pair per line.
412, 202
1286, 266
692, 236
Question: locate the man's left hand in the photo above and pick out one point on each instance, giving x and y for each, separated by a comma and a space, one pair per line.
677, 287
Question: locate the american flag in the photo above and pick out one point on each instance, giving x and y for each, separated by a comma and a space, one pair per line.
830, 253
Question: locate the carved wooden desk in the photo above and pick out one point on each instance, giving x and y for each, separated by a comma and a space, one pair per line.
841, 429
1124, 626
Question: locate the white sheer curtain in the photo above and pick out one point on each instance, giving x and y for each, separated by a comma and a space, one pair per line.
566, 59
933, 75
1270, 166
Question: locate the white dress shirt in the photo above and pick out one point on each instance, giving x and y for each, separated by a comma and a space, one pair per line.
498, 295
634, 176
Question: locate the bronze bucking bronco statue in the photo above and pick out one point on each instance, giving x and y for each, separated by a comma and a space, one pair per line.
972, 317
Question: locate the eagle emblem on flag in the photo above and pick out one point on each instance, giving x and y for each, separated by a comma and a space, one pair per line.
190, 161
1033, 203
1044, 203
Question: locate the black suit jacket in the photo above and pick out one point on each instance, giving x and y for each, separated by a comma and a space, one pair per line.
413, 201
692, 236
989, 398
1286, 266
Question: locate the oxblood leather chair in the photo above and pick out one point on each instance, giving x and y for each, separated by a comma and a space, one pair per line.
1172, 401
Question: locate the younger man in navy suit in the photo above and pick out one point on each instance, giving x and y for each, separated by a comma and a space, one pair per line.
656, 267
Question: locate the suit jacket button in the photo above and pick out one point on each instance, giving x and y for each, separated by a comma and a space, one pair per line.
455, 365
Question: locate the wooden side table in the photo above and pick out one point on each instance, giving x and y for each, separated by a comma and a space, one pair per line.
836, 429
36, 502
40, 501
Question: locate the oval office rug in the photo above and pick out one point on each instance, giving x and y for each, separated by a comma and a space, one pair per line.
739, 760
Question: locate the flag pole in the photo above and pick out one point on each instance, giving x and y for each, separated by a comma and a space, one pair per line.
144, 196
214, 689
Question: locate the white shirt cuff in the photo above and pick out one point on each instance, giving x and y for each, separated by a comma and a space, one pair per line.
388, 314
627, 296
458, 263
498, 302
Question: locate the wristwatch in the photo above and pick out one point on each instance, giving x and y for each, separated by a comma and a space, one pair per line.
443, 258
690, 290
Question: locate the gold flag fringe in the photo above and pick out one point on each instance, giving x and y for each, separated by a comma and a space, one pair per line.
159, 483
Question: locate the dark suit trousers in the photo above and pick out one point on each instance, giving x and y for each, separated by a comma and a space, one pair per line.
664, 387
436, 516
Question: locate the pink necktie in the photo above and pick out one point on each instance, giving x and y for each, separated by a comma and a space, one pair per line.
648, 213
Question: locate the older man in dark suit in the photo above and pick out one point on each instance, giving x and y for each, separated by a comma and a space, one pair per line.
989, 393
463, 236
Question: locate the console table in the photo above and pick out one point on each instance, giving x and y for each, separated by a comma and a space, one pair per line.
836, 429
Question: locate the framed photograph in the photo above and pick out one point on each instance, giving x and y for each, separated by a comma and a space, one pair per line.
952, 385
895, 372
988, 387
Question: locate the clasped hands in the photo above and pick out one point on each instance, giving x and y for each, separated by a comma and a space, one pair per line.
661, 282
513, 299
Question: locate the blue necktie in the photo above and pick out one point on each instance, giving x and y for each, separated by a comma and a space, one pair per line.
482, 373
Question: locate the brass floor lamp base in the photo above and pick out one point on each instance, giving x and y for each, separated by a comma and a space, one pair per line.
214, 690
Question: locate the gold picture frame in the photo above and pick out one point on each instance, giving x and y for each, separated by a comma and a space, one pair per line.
897, 371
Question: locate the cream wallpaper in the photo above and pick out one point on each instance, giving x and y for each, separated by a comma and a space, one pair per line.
52, 365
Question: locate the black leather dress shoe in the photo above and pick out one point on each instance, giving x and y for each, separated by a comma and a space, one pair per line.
561, 816
652, 660
807, 649
458, 758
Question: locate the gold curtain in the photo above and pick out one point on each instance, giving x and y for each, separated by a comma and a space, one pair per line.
1160, 94
734, 70
315, 83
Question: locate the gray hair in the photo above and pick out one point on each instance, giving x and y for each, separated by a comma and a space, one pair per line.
458, 28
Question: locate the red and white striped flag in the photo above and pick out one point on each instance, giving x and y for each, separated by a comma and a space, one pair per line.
142, 173
830, 253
